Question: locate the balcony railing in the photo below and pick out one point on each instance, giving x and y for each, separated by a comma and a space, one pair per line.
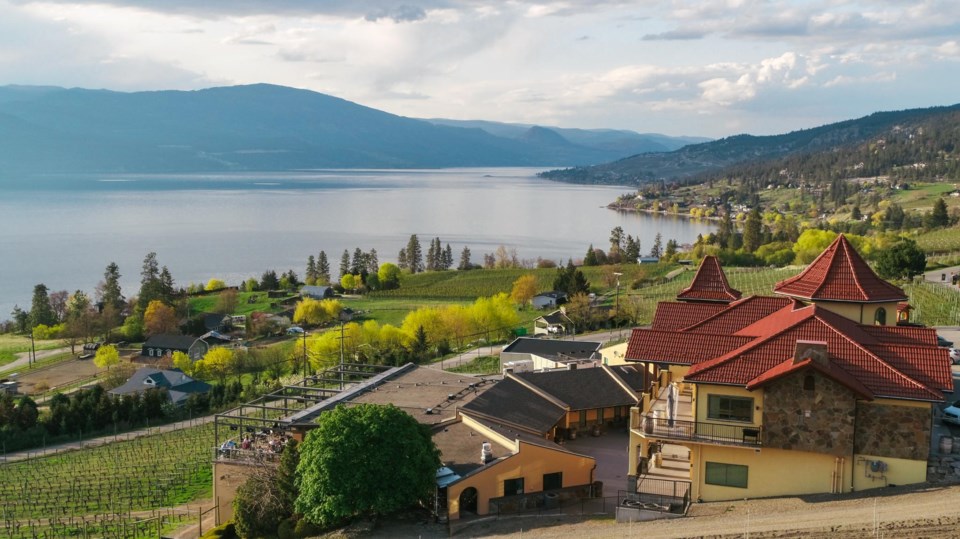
697, 431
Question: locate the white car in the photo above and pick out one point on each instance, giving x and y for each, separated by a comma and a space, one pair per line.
955, 356
951, 414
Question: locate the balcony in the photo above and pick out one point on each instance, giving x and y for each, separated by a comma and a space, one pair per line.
683, 428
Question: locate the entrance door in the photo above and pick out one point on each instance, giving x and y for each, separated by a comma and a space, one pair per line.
468, 501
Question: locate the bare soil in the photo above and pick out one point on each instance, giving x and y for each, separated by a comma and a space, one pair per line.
915, 512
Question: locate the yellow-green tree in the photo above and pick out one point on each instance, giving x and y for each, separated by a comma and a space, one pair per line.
495, 315
316, 312
524, 288
218, 362
183, 362
106, 356
214, 285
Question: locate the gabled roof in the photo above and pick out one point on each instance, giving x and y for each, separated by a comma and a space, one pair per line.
740, 314
840, 274
511, 402
555, 318
550, 347
580, 389
709, 284
673, 315
679, 348
178, 384
173, 342
791, 366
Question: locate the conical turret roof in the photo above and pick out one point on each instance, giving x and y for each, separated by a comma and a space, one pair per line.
840, 274
709, 284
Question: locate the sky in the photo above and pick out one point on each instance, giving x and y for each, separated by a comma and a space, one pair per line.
679, 67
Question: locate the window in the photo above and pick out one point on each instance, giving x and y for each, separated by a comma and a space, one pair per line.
727, 475
880, 318
730, 408
552, 481
513, 486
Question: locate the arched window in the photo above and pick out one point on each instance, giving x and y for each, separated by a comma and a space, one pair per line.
809, 383
880, 318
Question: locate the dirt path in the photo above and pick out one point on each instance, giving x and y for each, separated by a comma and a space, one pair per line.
23, 358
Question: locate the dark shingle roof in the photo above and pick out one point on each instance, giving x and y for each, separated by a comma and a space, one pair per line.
549, 347
178, 384
174, 342
510, 402
580, 389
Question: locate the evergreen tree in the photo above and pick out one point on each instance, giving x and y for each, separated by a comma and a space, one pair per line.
358, 263
111, 288
21, 318
151, 287
344, 263
447, 257
431, 262
855, 214
311, 273
373, 264
414, 254
616, 245
939, 217
269, 281
323, 268
590, 259
751, 231
571, 280
657, 250
40, 310
464, 259
631, 251
671, 248
402, 262
167, 292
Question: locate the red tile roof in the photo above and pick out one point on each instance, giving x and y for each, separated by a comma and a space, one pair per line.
739, 315
678, 347
831, 371
672, 315
839, 274
709, 284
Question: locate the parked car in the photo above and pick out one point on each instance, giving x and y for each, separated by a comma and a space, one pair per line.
295, 330
951, 414
955, 356
943, 342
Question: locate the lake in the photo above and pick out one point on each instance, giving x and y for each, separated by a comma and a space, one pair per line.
63, 231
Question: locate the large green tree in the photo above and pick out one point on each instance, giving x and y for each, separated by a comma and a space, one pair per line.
40, 310
903, 260
414, 254
365, 460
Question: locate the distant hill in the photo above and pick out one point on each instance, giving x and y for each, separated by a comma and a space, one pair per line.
250, 128
620, 141
840, 143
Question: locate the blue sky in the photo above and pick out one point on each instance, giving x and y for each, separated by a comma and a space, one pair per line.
710, 68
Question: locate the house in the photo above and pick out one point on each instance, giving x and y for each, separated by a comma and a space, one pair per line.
813, 390
551, 354
221, 323
548, 299
159, 346
553, 324
648, 259
179, 386
316, 292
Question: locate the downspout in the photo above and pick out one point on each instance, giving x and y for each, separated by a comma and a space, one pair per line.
853, 450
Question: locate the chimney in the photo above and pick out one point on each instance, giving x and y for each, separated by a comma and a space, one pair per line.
486, 452
813, 350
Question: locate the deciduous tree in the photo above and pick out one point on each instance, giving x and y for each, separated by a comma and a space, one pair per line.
159, 318
524, 288
333, 488
215, 284
106, 356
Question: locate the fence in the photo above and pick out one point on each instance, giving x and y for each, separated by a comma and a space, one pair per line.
663, 495
120, 526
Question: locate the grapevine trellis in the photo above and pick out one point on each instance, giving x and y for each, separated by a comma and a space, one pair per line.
934, 304
101, 487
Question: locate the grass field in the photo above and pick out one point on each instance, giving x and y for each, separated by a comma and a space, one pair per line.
11, 345
101, 483
479, 365
260, 302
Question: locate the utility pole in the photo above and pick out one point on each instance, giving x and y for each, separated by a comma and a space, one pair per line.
341, 355
304, 357
33, 349
617, 308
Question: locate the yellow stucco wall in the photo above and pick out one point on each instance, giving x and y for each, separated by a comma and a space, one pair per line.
702, 403
530, 462
614, 355
898, 472
862, 313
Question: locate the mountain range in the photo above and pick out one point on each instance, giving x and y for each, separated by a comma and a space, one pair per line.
264, 127
850, 145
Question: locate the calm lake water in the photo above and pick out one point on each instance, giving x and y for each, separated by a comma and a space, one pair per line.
63, 231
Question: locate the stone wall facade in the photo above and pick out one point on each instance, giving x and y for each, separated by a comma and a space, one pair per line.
886, 430
818, 420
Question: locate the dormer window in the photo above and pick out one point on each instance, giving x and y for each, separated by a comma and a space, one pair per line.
880, 317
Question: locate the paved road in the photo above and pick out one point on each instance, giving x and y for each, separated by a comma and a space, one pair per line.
23, 358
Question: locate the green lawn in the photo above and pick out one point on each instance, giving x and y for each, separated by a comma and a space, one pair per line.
206, 304
11, 345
